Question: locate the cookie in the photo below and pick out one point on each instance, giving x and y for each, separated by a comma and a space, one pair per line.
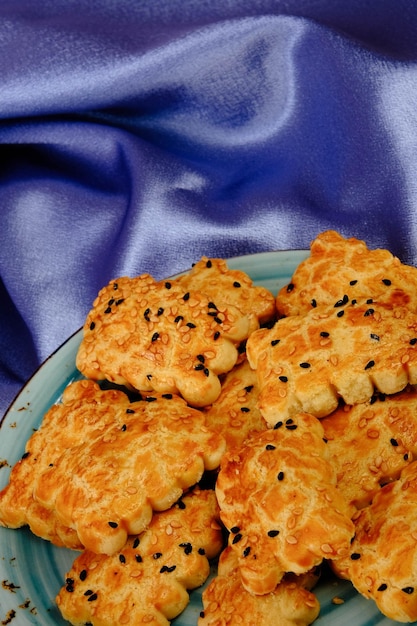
147, 581
158, 336
279, 502
125, 461
382, 561
235, 413
345, 268
370, 443
226, 601
231, 287
309, 362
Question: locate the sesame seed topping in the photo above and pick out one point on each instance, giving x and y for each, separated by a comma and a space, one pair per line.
386, 281
136, 543
305, 365
369, 312
113, 524
188, 548
186, 296
382, 587
413, 341
324, 334
216, 335
237, 538
314, 303
270, 446
340, 314
157, 555
290, 287
235, 529
92, 325
374, 336
408, 590
209, 263
168, 285
122, 558
283, 379
236, 284
353, 282
275, 342
393, 442
273, 533
92, 598
166, 568
342, 302
155, 336
246, 551
280, 476
244, 409
355, 556
370, 364
83, 574
108, 310
278, 425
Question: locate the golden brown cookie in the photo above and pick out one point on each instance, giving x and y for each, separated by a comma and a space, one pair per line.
125, 461
231, 287
147, 581
278, 499
340, 269
308, 362
226, 601
370, 443
382, 561
159, 336
235, 414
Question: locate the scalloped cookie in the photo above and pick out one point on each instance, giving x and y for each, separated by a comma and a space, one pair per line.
382, 561
235, 413
159, 336
147, 581
308, 362
370, 443
339, 268
231, 287
226, 601
278, 499
126, 461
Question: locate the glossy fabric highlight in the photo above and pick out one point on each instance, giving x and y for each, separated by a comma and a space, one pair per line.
137, 136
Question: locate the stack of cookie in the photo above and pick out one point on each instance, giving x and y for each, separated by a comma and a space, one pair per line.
217, 420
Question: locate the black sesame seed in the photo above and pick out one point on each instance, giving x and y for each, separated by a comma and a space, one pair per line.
277, 425
291, 427
130, 411
123, 428
393, 442
280, 476
146, 314
113, 524
92, 598
248, 388
160, 311
305, 365
138, 558
181, 505
275, 342
136, 543
211, 305
150, 399
324, 334
206, 372
236, 284
167, 396
245, 409
115, 286
408, 590
413, 341
342, 302
370, 364
119, 301
269, 446
355, 556
92, 325
353, 282
273, 533
108, 310
191, 325
166, 568
201, 551
111, 301
186, 296
122, 558
188, 548
89, 592
157, 555
314, 303
235, 530
216, 335
209, 263
25, 455
283, 379
218, 320
199, 366
149, 376
386, 281
69, 588
340, 314
237, 538
369, 312
405, 457
246, 551
155, 336
201, 358
179, 318
374, 336
168, 285
382, 587
290, 287
83, 574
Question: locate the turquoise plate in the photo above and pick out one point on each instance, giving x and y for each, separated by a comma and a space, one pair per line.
32, 570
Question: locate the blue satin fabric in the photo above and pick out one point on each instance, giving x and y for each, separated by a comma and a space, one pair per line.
138, 135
